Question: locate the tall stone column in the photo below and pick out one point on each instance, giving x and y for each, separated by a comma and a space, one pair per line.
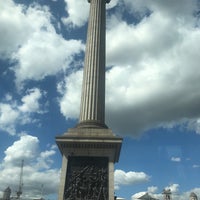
92, 109
90, 149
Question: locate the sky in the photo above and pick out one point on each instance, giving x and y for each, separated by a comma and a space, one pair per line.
152, 92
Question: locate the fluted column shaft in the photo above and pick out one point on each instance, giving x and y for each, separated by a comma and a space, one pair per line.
92, 110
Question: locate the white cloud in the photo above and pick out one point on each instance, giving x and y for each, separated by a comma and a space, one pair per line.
194, 125
8, 117
71, 94
24, 149
30, 40
7, 114
34, 173
196, 166
44, 161
46, 154
30, 101
175, 159
129, 178
152, 189
39, 58
151, 82
8, 97
152, 75
14, 113
112, 4
76, 18
14, 29
181, 9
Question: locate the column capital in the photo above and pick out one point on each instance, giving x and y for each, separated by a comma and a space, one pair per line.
107, 1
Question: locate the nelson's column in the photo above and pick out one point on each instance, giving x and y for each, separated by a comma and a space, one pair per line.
90, 149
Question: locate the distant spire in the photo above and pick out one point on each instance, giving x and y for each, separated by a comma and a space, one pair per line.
19, 192
7, 193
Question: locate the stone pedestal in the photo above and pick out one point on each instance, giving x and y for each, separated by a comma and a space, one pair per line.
88, 164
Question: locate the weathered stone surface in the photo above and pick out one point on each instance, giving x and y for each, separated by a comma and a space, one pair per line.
90, 142
90, 150
92, 110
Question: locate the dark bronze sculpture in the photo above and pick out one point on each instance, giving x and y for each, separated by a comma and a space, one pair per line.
87, 179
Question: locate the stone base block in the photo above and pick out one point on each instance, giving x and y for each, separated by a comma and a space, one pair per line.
88, 164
